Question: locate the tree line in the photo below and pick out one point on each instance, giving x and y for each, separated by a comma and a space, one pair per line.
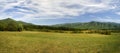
92, 27
10, 25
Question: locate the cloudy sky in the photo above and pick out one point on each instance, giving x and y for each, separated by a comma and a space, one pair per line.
47, 12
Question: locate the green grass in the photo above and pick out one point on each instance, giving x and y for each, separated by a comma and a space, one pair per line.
43, 42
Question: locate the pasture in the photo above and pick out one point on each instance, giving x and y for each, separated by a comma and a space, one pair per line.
48, 42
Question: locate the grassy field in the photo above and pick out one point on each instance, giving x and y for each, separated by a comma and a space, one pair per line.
46, 42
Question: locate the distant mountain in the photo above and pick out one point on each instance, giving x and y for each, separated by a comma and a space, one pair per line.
9, 20
10, 25
13, 25
91, 25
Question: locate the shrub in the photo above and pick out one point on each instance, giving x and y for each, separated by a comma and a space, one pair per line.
105, 32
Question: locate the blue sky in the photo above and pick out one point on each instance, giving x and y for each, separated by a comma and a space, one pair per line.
48, 12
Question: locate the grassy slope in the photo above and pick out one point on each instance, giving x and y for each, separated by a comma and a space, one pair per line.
42, 42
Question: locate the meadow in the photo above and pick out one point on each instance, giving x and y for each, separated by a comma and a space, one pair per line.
48, 42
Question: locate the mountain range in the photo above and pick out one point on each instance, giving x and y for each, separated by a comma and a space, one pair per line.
91, 25
9, 24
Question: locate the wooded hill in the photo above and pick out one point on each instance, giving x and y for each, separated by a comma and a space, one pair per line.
10, 25
93, 25
13, 25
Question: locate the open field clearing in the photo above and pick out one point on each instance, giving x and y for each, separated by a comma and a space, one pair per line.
46, 42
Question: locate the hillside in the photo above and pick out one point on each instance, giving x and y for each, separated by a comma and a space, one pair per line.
91, 25
10, 25
13, 25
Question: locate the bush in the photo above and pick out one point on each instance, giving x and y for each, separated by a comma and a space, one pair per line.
76, 32
105, 33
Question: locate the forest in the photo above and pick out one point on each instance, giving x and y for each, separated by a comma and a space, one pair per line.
87, 27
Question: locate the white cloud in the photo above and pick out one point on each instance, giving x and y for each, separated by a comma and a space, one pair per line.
118, 13
55, 8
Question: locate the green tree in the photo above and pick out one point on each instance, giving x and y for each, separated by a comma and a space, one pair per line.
12, 26
20, 27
